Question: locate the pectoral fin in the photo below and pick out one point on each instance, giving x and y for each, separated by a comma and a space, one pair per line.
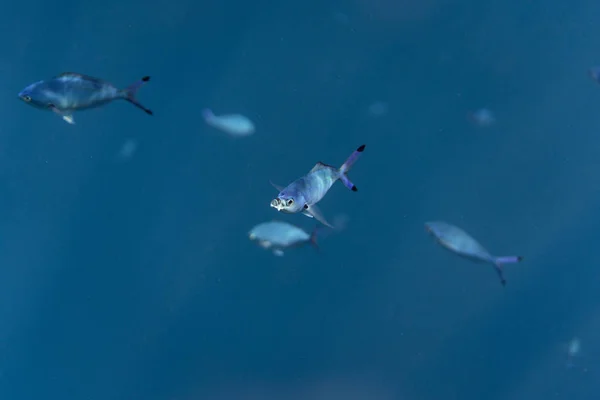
315, 212
64, 115
278, 252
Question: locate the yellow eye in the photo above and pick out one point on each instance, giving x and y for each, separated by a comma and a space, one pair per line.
290, 202
27, 98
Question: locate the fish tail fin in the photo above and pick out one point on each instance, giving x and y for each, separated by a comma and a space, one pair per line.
130, 92
499, 261
507, 260
343, 171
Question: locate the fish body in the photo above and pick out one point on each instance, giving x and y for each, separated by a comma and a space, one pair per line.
233, 124
278, 236
69, 92
460, 242
573, 350
304, 193
483, 117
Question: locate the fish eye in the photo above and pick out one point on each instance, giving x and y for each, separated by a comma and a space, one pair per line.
290, 202
27, 98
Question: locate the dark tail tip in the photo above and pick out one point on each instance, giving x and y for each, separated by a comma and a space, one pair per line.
149, 112
520, 258
354, 188
503, 281
361, 148
146, 79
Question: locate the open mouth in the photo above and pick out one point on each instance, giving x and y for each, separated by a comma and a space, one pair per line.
277, 204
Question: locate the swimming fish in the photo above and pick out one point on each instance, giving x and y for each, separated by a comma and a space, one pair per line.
482, 117
70, 92
234, 124
277, 236
304, 193
461, 243
573, 351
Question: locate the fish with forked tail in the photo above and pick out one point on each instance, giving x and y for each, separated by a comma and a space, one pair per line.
304, 193
70, 92
460, 242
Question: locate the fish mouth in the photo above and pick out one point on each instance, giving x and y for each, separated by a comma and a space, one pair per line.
277, 204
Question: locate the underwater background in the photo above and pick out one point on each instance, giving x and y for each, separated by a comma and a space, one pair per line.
132, 277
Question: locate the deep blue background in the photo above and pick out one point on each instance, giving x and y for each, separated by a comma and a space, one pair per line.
135, 279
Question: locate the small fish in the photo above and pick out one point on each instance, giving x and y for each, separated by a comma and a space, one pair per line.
482, 117
303, 194
233, 124
277, 236
70, 92
461, 243
594, 73
573, 350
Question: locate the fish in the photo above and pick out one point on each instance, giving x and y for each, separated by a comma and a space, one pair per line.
235, 125
70, 91
303, 194
278, 236
573, 350
461, 243
482, 117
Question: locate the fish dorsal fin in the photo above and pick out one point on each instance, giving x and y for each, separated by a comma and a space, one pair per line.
77, 75
319, 166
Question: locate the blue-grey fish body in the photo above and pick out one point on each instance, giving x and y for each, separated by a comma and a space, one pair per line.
304, 193
70, 92
460, 242
277, 236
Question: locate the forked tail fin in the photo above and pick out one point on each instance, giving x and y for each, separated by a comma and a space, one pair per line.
507, 260
346, 167
499, 261
131, 91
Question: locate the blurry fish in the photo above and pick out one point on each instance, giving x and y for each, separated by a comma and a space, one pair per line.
482, 117
304, 193
234, 124
277, 236
573, 351
378, 109
461, 243
127, 150
70, 92
594, 73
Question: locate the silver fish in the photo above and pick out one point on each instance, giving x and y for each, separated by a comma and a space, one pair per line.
277, 236
304, 193
235, 125
461, 243
70, 92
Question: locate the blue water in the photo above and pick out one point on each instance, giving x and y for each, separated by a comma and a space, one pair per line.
134, 278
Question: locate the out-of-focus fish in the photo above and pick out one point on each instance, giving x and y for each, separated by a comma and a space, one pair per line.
70, 92
304, 193
573, 350
233, 124
278, 236
482, 117
461, 243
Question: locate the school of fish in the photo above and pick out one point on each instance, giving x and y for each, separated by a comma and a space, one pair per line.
70, 92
